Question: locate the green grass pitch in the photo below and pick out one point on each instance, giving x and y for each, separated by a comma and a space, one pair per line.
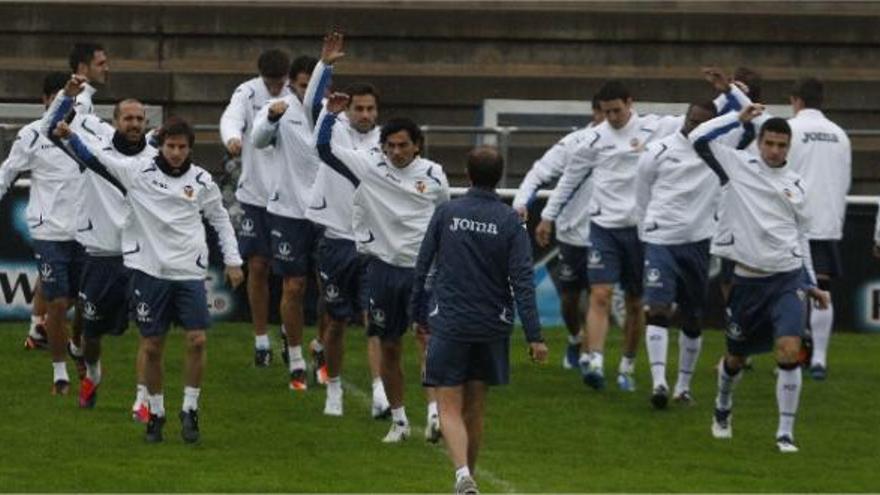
546, 432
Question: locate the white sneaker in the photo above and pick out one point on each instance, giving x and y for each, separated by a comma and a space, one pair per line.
432, 429
786, 445
333, 405
399, 432
722, 424
381, 409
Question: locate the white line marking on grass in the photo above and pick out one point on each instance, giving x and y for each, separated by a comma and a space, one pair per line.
504, 485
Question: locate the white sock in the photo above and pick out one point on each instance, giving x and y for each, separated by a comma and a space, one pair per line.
462, 472
317, 346
157, 404
93, 371
261, 342
724, 399
597, 360
36, 320
59, 372
334, 386
821, 321
379, 396
140, 396
191, 398
627, 365
296, 357
788, 392
574, 339
432, 409
74, 349
688, 353
657, 342
398, 415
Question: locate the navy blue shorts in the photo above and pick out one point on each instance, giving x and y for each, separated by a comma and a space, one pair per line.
157, 303
764, 309
450, 363
60, 264
616, 256
826, 258
103, 294
571, 268
340, 269
389, 289
677, 274
253, 232
293, 241
726, 274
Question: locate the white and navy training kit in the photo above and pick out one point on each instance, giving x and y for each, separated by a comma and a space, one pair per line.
611, 155
392, 209
296, 161
259, 167
766, 210
483, 260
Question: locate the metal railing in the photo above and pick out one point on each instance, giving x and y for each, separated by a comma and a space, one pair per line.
503, 134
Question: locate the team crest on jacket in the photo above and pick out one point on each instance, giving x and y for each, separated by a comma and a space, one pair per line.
188, 191
421, 186
634, 142
787, 193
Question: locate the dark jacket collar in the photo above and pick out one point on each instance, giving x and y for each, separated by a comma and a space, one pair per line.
125, 146
169, 170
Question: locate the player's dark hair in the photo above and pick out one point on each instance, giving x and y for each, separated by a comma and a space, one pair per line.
54, 82
303, 64
396, 125
175, 126
613, 90
777, 125
361, 89
485, 166
83, 53
595, 102
273, 63
810, 90
707, 106
752, 79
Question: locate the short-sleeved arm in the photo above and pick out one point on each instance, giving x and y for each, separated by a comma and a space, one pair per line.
234, 119
211, 204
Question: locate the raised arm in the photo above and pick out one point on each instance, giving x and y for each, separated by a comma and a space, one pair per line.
331, 51
266, 123
351, 164
96, 157
705, 139
427, 252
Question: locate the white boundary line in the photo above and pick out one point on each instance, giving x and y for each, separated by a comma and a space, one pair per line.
504, 485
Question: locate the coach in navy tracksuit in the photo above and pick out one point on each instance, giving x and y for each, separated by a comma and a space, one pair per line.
480, 250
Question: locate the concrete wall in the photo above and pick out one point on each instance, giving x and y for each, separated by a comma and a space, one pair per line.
437, 61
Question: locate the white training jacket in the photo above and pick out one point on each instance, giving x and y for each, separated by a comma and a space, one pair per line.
613, 155
165, 237
332, 194
821, 153
570, 214
766, 206
259, 170
103, 212
56, 184
392, 206
296, 160
677, 193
